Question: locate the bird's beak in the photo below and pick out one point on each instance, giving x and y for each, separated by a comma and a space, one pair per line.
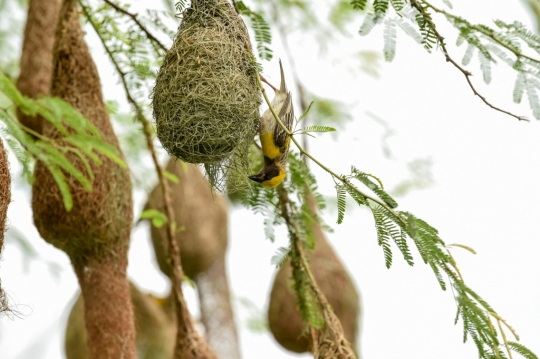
256, 178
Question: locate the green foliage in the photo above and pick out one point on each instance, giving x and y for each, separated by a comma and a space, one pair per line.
389, 40
282, 254
485, 66
263, 34
522, 350
366, 179
341, 202
158, 218
370, 21
135, 54
305, 299
519, 87
380, 6
397, 4
317, 128
359, 4
302, 116
80, 138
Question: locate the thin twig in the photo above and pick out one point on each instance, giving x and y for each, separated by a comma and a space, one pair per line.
483, 31
465, 72
136, 20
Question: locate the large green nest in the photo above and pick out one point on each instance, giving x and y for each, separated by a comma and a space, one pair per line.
206, 99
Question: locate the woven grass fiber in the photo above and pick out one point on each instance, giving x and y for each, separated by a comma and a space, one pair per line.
201, 214
334, 281
100, 221
154, 323
5, 199
206, 98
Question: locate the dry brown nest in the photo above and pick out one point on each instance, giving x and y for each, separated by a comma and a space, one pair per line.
335, 283
153, 320
100, 221
201, 215
206, 98
5, 198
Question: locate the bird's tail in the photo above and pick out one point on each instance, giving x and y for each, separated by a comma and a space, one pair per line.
282, 86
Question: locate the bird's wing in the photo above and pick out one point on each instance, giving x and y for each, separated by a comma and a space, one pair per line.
286, 115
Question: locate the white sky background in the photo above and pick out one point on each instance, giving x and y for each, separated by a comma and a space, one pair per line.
486, 167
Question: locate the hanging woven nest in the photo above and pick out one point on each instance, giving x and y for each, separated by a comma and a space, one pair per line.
206, 98
334, 281
201, 216
154, 323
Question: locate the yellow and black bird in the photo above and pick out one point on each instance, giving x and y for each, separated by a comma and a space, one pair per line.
274, 140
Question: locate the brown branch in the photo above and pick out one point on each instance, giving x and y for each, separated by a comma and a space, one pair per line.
136, 20
465, 72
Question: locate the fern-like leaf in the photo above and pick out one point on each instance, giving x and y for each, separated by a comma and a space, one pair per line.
468, 54
365, 178
341, 202
485, 65
370, 21
302, 116
281, 255
384, 227
533, 99
522, 350
496, 50
318, 128
397, 5
60, 180
409, 30
263, 34
359, 4
358, 198
519, 87
380, 6
389, 40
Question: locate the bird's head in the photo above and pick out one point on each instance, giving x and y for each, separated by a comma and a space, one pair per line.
271, 176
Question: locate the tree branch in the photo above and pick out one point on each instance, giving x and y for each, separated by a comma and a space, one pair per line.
483, 31
465, 72
136, 20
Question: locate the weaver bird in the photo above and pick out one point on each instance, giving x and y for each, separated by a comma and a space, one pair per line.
274, 140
